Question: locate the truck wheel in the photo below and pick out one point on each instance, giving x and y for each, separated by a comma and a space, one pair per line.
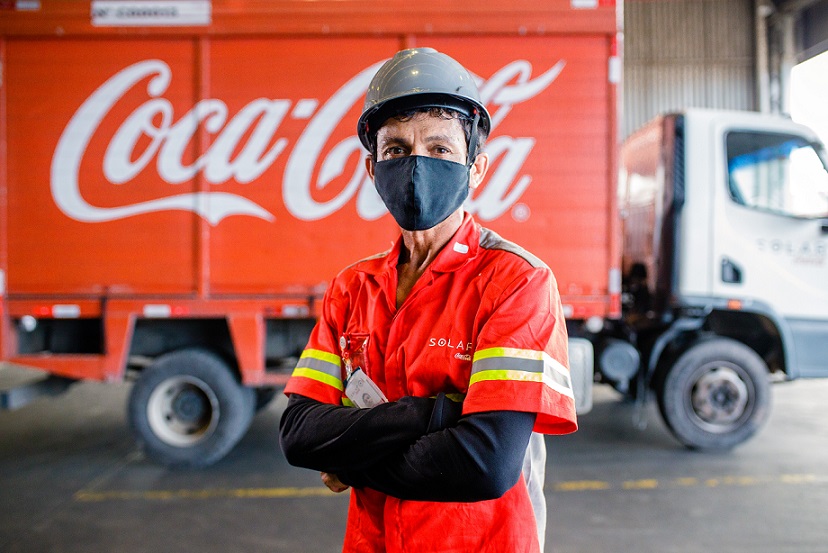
188, 409
716, 395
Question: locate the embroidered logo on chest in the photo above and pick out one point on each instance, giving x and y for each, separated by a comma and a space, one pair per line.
460, 346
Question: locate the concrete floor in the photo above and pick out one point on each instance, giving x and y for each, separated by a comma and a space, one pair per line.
71, 480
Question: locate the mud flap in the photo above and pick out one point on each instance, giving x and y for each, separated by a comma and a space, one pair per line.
581, 368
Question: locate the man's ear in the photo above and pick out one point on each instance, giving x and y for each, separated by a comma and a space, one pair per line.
478, 170
369, 165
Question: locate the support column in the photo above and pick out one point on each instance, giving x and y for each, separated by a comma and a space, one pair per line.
763, 9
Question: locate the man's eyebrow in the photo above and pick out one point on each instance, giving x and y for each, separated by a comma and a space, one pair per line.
440, 138
390, 139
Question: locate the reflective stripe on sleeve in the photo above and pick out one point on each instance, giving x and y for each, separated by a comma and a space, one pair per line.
320, 366
521, 365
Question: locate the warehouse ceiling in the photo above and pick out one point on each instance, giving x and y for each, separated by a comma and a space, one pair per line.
811, 27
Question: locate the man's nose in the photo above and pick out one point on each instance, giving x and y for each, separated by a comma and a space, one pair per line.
419, 150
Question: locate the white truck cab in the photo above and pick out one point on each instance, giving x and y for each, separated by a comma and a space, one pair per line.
725, 267
769, 233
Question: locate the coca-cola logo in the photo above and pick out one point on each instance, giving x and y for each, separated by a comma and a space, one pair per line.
245, 145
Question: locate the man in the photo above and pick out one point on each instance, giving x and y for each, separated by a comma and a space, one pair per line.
432, 364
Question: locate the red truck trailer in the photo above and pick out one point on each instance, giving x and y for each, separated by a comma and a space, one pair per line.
181, 179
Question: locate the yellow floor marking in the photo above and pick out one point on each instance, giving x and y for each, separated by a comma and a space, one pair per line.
568, 486
581, 485
686, 481
647, 484
166, 495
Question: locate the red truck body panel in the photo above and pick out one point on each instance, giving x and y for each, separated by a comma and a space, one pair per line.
214, 171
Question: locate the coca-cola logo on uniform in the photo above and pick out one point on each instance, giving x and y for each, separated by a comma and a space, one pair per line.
257, 124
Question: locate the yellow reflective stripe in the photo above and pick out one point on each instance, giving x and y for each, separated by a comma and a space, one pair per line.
319, 376
519, 376
347, 402
321, 356
509, 352
506, 375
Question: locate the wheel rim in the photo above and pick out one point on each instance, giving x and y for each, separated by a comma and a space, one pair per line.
183, 411
720, 398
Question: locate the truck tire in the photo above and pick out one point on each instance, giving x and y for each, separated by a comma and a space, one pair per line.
187, 409
716, 395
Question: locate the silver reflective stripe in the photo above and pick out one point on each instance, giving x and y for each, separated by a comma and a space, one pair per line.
320, 365
560, 377
507, 364
551, 369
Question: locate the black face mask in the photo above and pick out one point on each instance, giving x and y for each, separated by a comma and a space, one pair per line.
420, 191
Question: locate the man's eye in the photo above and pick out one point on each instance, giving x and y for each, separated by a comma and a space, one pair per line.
442, 150
394, 151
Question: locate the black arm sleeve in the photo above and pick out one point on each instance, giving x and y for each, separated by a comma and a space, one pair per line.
481, 458
332, 438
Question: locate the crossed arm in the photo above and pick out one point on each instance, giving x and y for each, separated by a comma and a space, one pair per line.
414, 448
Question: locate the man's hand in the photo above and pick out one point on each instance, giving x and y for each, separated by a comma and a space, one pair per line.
333, 482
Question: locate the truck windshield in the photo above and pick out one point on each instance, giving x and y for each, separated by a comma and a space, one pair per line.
777, 172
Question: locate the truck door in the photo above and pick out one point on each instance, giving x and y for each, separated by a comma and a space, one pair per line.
771, 237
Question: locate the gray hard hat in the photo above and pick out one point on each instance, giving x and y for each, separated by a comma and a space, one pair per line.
419, 78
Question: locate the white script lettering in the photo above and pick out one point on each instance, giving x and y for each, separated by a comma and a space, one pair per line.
245, 145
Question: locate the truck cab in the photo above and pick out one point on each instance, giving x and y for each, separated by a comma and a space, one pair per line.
725, 265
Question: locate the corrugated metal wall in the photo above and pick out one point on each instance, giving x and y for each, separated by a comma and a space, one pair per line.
686, 53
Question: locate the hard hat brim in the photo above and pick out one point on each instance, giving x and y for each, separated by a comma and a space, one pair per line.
372, 119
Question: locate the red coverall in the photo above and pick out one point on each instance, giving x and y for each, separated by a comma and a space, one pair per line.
484, 322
